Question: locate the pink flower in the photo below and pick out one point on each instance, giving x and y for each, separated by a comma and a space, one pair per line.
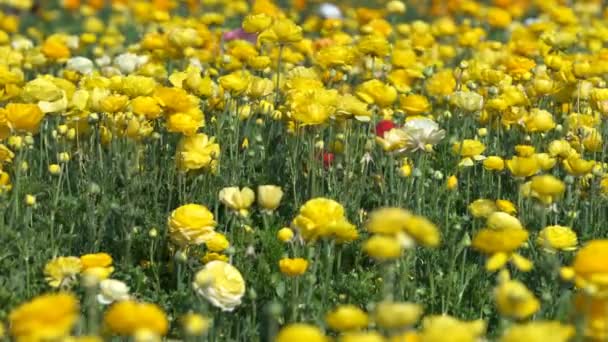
239, 33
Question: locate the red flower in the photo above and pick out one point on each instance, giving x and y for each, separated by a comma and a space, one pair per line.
328, 159
383, 127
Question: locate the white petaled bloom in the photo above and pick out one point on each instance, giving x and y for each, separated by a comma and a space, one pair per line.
421, 132
111, 290
469, 101
221, 284
73, 42
104, 60
129, 62
81, 64
21, 43
330, 11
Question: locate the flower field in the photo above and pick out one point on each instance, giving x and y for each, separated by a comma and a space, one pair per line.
299, 171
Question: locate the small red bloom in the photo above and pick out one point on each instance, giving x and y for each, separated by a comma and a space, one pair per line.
328, 159
383, 127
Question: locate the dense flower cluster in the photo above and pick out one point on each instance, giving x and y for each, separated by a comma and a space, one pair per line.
242, 169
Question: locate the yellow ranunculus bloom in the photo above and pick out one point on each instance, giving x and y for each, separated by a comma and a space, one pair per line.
129, 317
293, 267
382, 247
300, 332
514, 300
221, 284
237, 199
46, 317
197, 152
191, 224
557, 238
347, 318
391, 315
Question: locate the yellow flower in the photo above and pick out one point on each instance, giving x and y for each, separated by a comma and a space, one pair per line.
502, 221
414, 104
506, 206
62, 271
213, 256
236, 82
374, 45
592, 309
217, 243
269, 197
467, 100
186, 123
498, 17
482, 207
523, 166
422, 231
561, 148
175, 99
387, 220
321, 217
452, 182
256, 23
194, 324
285, 234
98, 265
441, 83
376, 92
554, 238
237, 199
129, 317
23, 117
347, 318
55, 48
382, 247
577, 166
335, 56
147, 106
539, 331
293, 267
197, 152
588, 266
514, 300
491, 241
6, 155
468, 148
300, 332
221, 284
191, 224
435, 328
547, 187
539, 120
392, 315
366, 336
44, 318
282, 31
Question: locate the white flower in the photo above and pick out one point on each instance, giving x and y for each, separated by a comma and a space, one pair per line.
21, 43
112, 290
73, 42
129, 62
467, 100
421, 132
81, 64
104, 60
330, 11
221, 284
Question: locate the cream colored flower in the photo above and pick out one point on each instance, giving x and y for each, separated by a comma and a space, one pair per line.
221, 284
111, 290
269, 197
237, 199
